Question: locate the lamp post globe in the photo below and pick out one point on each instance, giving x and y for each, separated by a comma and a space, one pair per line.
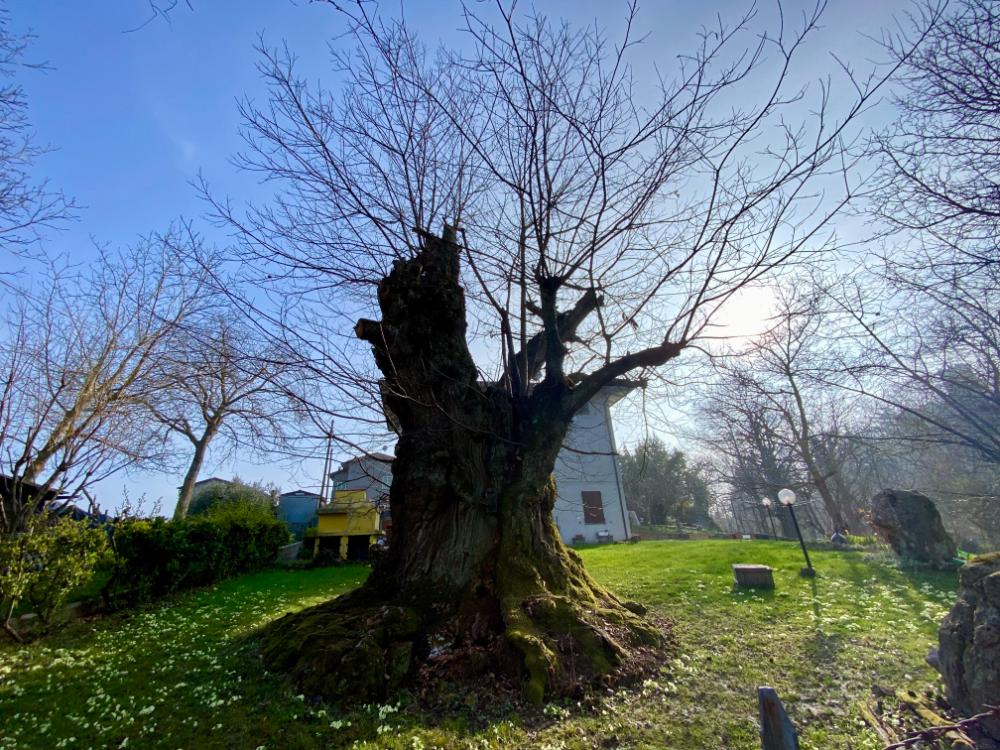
787, 498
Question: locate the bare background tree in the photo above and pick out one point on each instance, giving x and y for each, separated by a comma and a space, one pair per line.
792, 376
964, 487
78, 360
27, 205
941, 158
222, 387
752, 454
919, 325
931, 315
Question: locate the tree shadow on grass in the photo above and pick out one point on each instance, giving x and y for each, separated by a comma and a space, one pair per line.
907, 582
820, 646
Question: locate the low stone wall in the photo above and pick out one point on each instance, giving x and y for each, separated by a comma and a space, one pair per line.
289, 551
969, 642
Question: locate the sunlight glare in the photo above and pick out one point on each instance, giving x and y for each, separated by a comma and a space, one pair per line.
747, 314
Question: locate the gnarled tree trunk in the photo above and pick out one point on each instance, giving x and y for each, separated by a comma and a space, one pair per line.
476, 579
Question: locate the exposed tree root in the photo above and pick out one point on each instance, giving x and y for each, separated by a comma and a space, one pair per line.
344, 650
351, 650
570, 631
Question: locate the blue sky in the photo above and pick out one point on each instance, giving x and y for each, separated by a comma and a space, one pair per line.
134, 116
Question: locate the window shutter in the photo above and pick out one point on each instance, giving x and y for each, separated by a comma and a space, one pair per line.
593, 507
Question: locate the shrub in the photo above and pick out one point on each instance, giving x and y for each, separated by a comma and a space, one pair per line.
231, 492
42, 564
156, 557
72, 551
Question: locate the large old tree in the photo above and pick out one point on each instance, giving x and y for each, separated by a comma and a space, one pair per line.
538, 200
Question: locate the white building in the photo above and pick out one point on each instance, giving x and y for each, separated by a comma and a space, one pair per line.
371, 473
590, 502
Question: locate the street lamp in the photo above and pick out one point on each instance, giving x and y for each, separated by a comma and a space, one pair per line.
787, 498
766, 502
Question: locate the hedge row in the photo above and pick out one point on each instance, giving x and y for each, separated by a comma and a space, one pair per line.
154, 558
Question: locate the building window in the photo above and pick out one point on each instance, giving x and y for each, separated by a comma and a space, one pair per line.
593, 507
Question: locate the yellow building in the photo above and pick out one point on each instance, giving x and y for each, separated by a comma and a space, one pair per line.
350, 523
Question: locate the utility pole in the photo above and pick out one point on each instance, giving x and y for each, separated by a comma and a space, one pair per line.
324, 485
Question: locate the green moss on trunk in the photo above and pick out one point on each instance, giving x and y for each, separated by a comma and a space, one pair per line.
569, 630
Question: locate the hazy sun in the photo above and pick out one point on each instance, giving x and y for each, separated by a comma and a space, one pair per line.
746, 314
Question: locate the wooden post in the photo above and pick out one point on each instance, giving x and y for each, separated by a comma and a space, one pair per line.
776, 730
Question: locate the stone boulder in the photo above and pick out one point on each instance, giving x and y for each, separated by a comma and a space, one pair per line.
969, 643
911, 525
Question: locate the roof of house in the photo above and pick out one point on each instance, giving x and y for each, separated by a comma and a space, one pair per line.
200, 482
212, 479
616, 390
301, 493
9, 487
79, 514
383, 457
613, 392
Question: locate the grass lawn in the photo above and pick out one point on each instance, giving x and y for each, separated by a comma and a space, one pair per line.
181, 675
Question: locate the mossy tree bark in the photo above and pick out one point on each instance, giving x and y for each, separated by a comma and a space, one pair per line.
476, 579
